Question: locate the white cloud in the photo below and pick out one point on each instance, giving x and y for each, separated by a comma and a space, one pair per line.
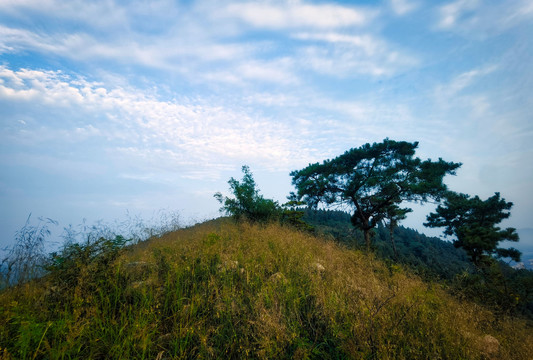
464, 95
13, 40
462, 81
512, 15
294, 14
158, 132
102, 14
367, 43
403, 7
452, 13
167, 53
473, 18
242, 73
349, 55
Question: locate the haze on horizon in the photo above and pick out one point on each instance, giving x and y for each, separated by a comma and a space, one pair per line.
108, 107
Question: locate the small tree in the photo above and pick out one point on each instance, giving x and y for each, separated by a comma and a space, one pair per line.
371, 179
473, 222
247, 202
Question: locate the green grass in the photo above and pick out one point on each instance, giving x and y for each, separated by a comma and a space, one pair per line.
221, 290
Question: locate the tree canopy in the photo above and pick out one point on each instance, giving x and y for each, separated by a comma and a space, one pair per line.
473, 222
372, 179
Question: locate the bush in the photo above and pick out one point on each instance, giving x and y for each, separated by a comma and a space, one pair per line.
247, 203
66, 266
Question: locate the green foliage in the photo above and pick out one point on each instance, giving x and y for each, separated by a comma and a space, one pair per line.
372, 179
247, 203
65, 266
293, 214
429, 257
503, 289
473, 222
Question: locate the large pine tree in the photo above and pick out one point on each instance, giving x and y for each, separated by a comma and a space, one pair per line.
372, 179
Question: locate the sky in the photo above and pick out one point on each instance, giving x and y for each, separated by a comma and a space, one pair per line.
111, 107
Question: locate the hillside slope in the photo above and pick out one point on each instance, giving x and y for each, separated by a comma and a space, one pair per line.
430, 256
221, 290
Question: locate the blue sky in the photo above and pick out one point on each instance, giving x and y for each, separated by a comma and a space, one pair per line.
114, 106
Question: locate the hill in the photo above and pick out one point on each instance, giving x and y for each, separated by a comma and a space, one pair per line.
226, 290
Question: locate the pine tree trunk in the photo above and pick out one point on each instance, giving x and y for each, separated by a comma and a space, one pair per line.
367, 238
391, 231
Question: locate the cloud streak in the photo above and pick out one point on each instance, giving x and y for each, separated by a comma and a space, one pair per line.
403, 7
298, 14
348, 55
472, 18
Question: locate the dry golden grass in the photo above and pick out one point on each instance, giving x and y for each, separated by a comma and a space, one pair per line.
371, 307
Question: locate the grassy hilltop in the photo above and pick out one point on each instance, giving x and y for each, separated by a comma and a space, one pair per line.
227, 290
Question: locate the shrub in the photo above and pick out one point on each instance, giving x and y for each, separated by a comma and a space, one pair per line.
247, 203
